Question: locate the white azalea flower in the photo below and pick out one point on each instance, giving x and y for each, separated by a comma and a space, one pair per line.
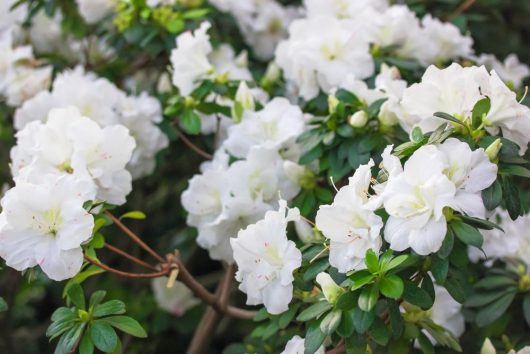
471, 172
314, 60
266, 260
351, 226
511, 71
274, 127
343, 9
11, 18
296, 345
190, 59
69, 143
446, 312
10, 57
24, 82
415, 199
93, 11
176, 300
45, 225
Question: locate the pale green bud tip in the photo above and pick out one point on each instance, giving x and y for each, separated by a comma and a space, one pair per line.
333, 102
330, 289
493, 150
189, 102
271, 75
488, 348
358, 119
244, 96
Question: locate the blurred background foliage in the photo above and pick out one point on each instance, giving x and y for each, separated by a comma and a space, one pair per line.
500, 27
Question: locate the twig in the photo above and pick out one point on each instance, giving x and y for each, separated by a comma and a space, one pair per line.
127, 274
339, 349
191, 145
135, 237
211, 317
461, 9
129, 257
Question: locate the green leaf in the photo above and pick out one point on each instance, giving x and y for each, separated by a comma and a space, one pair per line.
396, 320
76, 296
195, 14
368, 298
137, 215
286, 317
96, 298
191, 122
346, 326
447, 245
391, 286
330, 322
494, 310
456, 286
126, 324
480, 110
314, 311
103, 336
362, 320
379, 332
396, 262
515, 170
512, 199
425, 344
261, 315
371, 261
467, 234
492, 196
482, 298
496, 281
86, 346
59, 327
360, 279
374, 108
81, 277
480, 223
526, 308
449, 118
63, 314
316, 267
347, 301
417, 296
69, 339
3, 305
439, 268
314, 338
112, 307
416, 135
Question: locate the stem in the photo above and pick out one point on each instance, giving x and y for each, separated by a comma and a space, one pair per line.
212, 316
191, 145
129, 257
135, 237
461, 9
127, 274
339, 349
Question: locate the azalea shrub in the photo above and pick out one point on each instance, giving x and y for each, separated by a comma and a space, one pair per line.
317, 176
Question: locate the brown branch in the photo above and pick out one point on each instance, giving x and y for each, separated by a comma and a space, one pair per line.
127, 274
212, 316
191, 145
135, 237
461, 9
339, 349
129, 257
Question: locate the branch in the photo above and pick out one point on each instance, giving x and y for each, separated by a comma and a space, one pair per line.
461, 9
129, 257
135, 237
339, 349
127, 274
191, 145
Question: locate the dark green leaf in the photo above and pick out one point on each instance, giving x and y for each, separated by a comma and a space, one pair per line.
313, 338
96, 298
482, 298
313, 311
346, 326
439, 268
492, 196
112, 307
69, 339
515, 170
447, 245
379, 332
480, 110
417, 296
425, 344
449, 118
526, 308
396, 320
126, 324
286, 317
467, 234
76, 296
103, 336
63, 314
347, 301
86, 346
191, 122
494, 310
261, 315
492, 282
362, 320
480, 223
3, 305
316, 267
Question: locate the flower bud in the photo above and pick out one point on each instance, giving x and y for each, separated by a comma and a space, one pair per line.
305, 231
164, 83
493, 150
488, 348
358, 119
387, 117
330, 289
272, 75
333, 102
